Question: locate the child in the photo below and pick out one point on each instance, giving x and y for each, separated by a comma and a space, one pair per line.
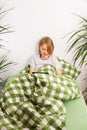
45, 49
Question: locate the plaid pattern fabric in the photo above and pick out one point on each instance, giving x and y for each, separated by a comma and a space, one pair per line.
36, 102
69, 69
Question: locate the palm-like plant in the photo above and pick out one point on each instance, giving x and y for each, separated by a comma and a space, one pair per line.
4, 64
4, 61
78, 42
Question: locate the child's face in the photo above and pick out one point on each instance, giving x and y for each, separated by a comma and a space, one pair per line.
43, 51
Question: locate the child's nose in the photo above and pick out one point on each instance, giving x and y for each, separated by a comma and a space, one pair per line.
45, 51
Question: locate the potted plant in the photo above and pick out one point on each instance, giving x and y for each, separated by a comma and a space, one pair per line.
4, 60
78, 43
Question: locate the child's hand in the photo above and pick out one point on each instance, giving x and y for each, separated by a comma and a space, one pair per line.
59, 73
31, 70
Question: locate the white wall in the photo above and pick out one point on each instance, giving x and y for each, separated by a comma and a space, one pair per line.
33, 19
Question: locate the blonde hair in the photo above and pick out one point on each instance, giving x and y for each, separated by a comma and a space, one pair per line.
48, 41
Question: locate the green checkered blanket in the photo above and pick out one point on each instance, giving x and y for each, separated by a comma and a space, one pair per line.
36, 102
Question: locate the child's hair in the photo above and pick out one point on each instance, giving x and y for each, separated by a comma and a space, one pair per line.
48, 41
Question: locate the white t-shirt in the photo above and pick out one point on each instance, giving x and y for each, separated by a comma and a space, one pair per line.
37, 62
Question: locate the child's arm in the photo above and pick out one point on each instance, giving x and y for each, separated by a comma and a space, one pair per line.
32, 69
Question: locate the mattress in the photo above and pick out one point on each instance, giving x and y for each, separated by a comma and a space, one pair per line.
76, 117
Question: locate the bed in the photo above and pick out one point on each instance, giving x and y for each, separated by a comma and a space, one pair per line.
43, 101
76, 118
